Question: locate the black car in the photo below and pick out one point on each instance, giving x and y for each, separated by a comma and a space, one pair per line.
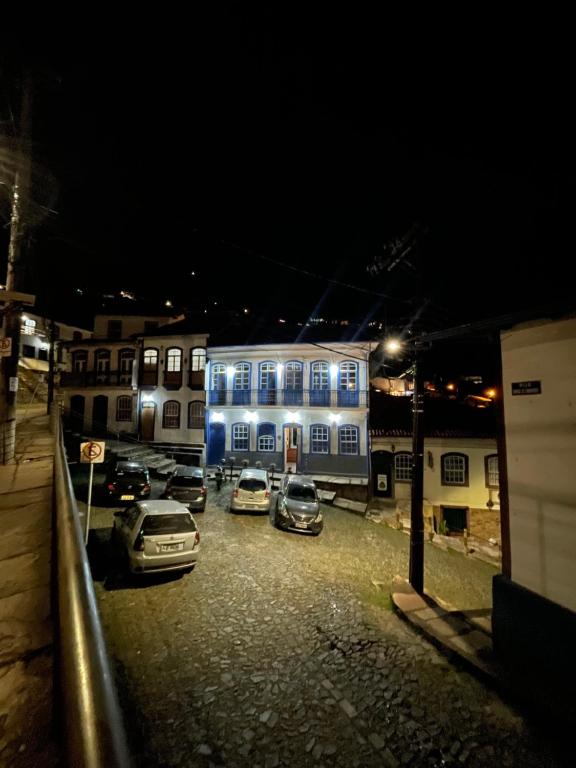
127, 481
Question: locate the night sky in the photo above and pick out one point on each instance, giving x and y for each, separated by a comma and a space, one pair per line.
218, 148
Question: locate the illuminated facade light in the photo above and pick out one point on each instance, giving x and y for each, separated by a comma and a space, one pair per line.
251, 416
334, 370
230, 370
293, 416
147, 397
217, 417
334, 418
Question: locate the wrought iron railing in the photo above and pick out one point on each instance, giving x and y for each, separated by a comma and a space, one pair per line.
290, 398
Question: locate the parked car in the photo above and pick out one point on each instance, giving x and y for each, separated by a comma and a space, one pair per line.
127, 481
155, 536
188, 486
298, 506
252, 491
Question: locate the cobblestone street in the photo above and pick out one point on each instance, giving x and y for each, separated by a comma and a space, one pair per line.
282, 649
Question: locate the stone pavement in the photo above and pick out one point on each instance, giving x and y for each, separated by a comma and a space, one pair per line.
26, 625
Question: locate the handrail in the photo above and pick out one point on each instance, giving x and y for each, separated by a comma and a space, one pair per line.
94, 728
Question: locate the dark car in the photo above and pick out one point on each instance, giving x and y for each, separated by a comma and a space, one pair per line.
298, 506
187, 485
127, 481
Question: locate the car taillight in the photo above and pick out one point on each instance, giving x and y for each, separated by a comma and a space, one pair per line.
111, 486
203, 491
267, 495
235, 494
146, 487
197, 538
139, 543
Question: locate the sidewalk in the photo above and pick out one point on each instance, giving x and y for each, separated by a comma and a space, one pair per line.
468, 634
26, 630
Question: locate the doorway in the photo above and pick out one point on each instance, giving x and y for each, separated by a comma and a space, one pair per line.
100, 415
292, 447
147, 421
216, 439
76, 413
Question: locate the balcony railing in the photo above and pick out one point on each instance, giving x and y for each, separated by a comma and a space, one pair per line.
290, 398
96, 379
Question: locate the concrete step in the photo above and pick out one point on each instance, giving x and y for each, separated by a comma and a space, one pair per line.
164, 469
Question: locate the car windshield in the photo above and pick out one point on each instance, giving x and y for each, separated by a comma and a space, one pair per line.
179, 522
186, 481
252, 484
301, 492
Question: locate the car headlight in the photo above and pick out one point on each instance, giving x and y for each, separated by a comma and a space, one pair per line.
318, 518
283, 510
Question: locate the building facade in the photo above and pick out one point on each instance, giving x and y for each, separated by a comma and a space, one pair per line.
298, 406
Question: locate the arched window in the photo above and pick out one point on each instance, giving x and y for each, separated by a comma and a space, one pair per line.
454, 469
348, 440
240, 437
217, 384
293, 383
102, 359
319, 438
267, 384
150, 367
348, 384
124, 408
319, 383
266, 437
196, 414
125, 365
171, 415
173, 368
241, 384
197, 368
79, 361
403, 467
491, 471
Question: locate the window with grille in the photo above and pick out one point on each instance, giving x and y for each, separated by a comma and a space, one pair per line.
266, 437
198, 359
242, 376
348, 376
454, 469
150, 358
268, 376
320, 378
403, 467
240, 437
196, 414
171, 415
491, 470
124, 408
174, 360
218, 376
348, 439
294, 375
319, 438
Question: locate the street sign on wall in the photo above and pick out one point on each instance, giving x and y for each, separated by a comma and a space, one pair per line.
5, 346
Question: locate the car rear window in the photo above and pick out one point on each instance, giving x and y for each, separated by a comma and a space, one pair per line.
133, 474
301, 492
187, 481
180, 522
252, 484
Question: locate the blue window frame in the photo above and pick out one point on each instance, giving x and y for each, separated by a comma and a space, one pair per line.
266, 438
241, 384
319, 438
217, 384
240, 437
320, 383
293, 383
348, 384
267, 384
348, 440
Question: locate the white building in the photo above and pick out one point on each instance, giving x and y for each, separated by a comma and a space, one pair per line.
299, 406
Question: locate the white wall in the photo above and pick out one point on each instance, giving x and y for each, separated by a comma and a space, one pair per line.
541, 457
131, 324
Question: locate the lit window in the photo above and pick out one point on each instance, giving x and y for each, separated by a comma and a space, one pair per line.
319, 438
28, 327
150, 358
403, 467
171, 415
492, 473
266, 437
348, 376
348, 439
320, 380
454, 469
124, 408
174, 360
218, 376
240, 437
242, 376
196, 414
267, 376
293, 375
198, 359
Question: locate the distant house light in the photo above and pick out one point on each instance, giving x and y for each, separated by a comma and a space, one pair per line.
280, 320
167, 303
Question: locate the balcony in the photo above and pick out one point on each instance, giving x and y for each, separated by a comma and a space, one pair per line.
96, 379
196, 379
289, 398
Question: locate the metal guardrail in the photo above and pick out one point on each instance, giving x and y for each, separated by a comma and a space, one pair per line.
94, 729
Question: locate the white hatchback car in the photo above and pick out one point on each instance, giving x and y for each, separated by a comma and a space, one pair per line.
157, 536
252, 492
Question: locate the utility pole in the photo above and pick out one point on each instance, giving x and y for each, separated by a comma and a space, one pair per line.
19, 202
416, 567
51, 363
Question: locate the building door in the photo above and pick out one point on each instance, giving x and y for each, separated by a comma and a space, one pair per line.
382, 464
292, 447
147, 421
216, 440
76, 414
100, 415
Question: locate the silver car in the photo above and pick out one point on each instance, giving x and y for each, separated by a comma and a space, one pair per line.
252, 491
187, 485
297, 505
155, 536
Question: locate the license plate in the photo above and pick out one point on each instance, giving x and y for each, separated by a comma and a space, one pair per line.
126, 498
171, 547
301, 525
